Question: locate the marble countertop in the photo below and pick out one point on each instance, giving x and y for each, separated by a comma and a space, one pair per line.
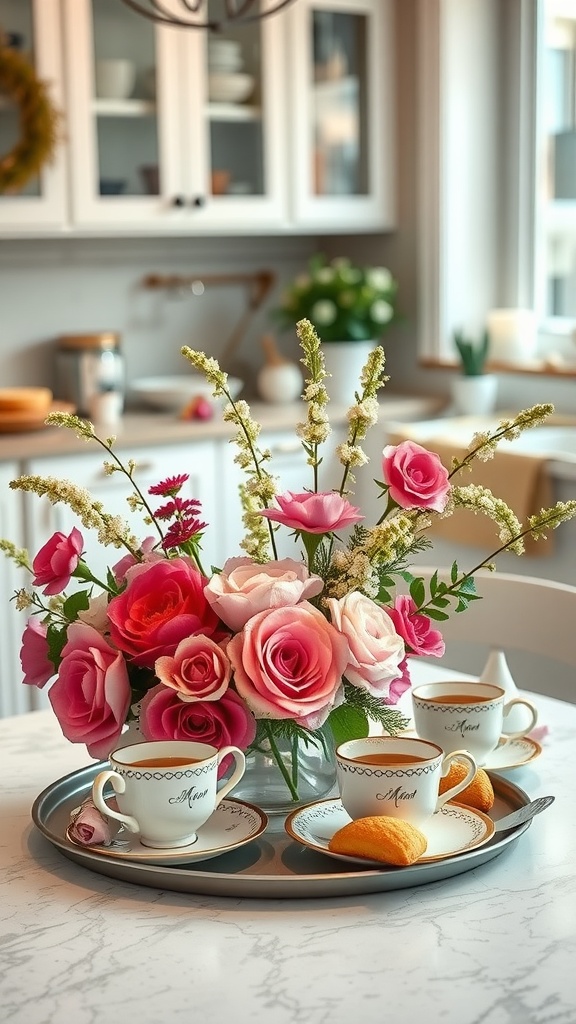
495, 945
138, 428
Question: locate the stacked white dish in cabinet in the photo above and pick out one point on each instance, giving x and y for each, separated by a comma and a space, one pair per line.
227, 81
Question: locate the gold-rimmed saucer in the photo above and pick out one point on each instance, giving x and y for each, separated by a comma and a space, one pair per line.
454, 829
233, 824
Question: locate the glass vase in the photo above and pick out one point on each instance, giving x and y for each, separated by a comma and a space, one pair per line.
295, 773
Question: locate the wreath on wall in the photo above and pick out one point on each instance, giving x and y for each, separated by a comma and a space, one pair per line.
39, 121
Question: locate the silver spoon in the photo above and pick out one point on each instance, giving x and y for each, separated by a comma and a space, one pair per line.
523, 813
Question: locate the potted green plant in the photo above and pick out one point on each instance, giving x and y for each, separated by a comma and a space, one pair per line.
474, 391
349, 306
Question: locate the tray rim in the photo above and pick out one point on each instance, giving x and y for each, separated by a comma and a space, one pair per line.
288, 885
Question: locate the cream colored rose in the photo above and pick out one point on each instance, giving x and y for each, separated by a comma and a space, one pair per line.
244, 588
375, 648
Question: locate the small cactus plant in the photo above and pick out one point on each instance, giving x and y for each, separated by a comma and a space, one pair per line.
473, 354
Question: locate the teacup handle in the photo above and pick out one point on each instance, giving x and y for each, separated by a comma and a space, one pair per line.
456, 755
236, 774
531, 707
119, 786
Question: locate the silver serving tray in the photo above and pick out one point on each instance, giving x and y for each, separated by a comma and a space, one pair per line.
271, 867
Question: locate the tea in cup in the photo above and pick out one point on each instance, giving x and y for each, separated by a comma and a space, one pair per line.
396, 776
469, 714
166, 789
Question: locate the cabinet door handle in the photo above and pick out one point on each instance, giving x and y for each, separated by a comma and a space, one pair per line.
199, 201
178, 201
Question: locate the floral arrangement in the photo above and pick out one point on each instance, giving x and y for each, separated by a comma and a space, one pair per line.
341, 301
312, 648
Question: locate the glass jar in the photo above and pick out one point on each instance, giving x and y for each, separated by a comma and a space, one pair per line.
87, 364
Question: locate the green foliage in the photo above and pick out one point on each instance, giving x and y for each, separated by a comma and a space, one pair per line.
473, 354
459, 591
342, 301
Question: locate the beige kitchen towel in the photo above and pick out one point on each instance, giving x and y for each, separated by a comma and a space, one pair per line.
521, 480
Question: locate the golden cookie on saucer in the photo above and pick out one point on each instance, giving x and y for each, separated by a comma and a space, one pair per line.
389, 840
479, 793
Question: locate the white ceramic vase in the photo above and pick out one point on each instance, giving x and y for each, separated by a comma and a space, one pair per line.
344, 360
496, 671
474, 396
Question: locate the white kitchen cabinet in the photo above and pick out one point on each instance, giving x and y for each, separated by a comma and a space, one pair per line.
309, 149
153, 464
42, 204
342, 157
14, 697
172, 154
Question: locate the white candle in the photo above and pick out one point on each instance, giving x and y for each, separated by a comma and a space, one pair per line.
512, 334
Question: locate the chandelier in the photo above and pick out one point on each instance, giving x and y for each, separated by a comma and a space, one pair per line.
190, 13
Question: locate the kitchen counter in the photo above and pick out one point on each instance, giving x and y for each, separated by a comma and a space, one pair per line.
494, 945
141, 428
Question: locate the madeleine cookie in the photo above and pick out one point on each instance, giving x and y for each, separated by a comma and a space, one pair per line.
389, 840
479, 793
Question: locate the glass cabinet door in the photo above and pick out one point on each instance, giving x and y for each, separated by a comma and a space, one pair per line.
122, 78
235, 87
556, 115
343, 135
169, 125
31, 28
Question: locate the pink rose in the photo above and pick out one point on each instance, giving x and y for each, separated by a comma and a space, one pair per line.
313, 512
163, 603
36, 664
375, 650
244, 588
89, 827
415, 476
288, 663
400, 685
198, 670
91, 695
222, 723
416, 629
149, 553
56, 561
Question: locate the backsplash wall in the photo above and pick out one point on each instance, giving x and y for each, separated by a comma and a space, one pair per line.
49, 288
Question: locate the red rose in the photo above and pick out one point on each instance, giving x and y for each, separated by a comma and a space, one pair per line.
163, 603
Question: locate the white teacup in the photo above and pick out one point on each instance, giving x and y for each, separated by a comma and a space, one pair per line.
166, 789
396, 776
467, 714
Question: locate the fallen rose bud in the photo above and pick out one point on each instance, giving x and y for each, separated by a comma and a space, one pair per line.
89, 827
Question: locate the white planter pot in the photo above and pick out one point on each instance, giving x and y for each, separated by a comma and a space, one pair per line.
344, 360
474, 396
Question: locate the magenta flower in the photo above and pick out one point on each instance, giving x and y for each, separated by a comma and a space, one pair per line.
313, 512
91, 695
56, 561
36, 665
178, 507
415, 476
169, 487
182, 531
416, 629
